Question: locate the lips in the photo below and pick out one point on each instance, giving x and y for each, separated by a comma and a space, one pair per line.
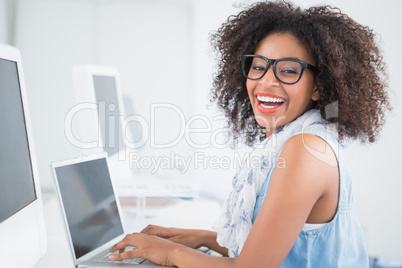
269, 103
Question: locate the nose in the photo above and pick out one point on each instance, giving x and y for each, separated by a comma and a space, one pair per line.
269, 77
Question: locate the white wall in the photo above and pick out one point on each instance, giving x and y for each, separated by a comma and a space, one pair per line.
56, 35
149, 43
53, 36
3, 22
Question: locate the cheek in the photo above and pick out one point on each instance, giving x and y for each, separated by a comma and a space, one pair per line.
250, 85
308, 87
301, 94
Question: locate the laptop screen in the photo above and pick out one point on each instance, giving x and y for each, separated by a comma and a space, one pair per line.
89, 204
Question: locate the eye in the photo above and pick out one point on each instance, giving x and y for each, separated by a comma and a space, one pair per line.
288, 71
288, 68
257, 65
259, 68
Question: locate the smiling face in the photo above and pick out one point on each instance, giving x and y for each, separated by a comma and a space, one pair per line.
274, 103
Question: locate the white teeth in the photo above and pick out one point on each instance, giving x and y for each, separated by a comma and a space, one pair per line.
269, 99
267, 106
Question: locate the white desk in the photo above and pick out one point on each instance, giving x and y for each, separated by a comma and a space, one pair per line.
198, 213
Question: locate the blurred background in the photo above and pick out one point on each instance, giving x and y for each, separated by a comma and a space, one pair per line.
162, 51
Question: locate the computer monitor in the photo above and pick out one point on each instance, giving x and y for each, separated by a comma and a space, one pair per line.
102, 117
22, 227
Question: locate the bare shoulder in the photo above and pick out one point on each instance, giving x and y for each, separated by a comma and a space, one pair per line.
310, 151
308, 162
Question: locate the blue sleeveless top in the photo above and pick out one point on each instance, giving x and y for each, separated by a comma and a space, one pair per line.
339, 243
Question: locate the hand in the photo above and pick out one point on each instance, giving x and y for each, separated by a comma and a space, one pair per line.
188, 237
153, 248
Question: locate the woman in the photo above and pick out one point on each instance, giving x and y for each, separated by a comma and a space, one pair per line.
299, 84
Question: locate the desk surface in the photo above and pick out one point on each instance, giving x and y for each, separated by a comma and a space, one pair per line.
199, 213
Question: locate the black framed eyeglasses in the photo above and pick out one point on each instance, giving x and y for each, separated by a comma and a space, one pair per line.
287, 70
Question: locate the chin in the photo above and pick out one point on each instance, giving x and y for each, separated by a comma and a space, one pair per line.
270, 122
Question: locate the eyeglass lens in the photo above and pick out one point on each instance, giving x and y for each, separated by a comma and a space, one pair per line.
287, 71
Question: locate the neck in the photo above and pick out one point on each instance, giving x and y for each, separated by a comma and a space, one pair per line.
269, 132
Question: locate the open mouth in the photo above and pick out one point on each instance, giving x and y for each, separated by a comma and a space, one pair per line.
268, 104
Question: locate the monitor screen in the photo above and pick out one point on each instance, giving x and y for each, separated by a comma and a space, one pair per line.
89, 204
17, 187
109, 112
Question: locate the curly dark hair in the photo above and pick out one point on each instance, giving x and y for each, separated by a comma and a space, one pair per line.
352, 72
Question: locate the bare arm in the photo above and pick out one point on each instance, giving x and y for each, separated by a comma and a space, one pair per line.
193, 238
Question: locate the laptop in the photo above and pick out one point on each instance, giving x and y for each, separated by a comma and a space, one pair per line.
91, 211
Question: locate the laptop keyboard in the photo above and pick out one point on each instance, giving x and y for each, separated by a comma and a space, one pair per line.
105, 258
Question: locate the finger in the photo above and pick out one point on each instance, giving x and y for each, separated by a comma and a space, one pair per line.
149, 228
131, 240
158, 231
119, 246
125, 255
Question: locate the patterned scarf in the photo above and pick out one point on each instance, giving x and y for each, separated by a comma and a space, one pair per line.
235, 221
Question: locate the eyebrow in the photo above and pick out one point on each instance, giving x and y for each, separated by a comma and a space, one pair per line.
292, 58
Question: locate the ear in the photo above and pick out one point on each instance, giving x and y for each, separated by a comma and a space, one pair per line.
316, 94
